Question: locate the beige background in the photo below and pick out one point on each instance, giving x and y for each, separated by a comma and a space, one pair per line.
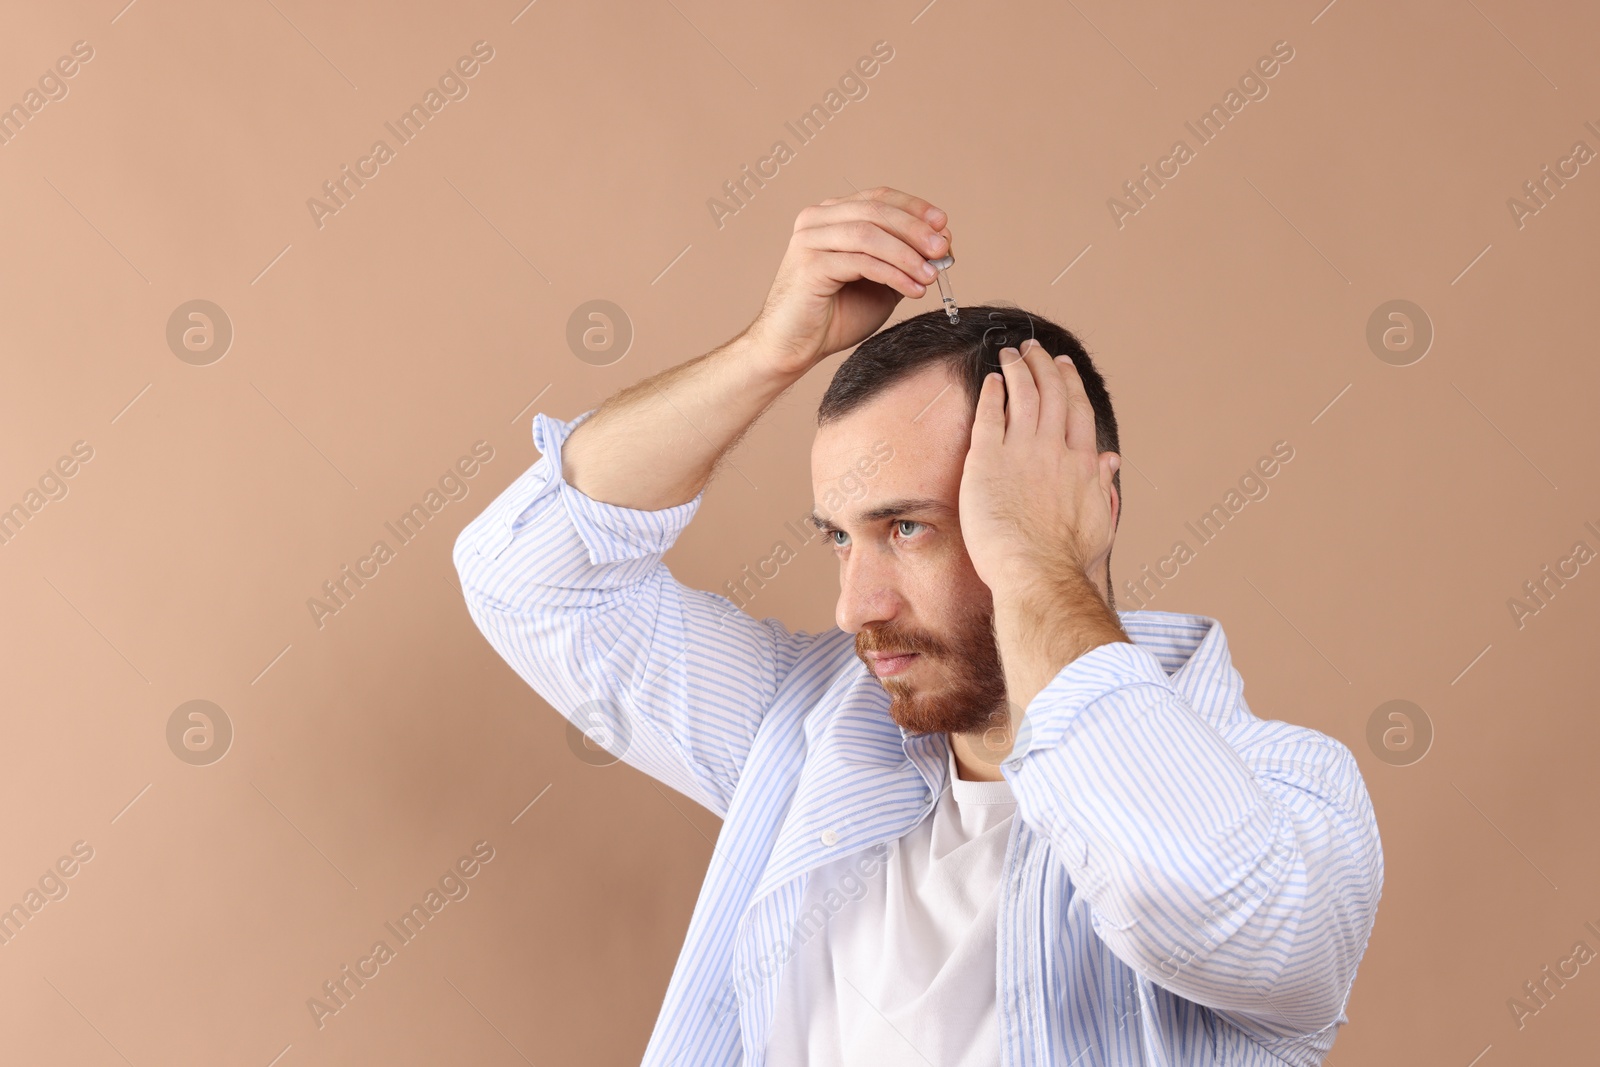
428, 314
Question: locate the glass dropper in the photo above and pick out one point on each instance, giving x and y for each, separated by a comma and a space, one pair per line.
946, 294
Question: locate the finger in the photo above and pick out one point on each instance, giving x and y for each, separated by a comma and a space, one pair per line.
1052, 395
868, 236
846, 267
1022, 400
1110, 463
915, 231
1080, 412
912, 226
914, 205
1053, 384
989, 421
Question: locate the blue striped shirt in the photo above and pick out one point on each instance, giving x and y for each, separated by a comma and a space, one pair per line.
1184, 884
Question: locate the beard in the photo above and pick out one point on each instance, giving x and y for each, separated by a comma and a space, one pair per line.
954, 685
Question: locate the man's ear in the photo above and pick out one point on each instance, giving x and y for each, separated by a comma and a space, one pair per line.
1115, 490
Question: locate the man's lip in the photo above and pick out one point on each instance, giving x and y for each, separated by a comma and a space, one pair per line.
891, 661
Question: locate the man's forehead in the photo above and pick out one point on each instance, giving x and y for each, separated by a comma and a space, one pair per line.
911, 436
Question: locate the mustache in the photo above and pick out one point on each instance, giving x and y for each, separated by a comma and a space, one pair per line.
892, 641
888, 639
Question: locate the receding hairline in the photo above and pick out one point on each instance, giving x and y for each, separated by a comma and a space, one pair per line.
951, 360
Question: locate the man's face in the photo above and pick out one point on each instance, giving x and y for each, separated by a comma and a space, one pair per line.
906, 583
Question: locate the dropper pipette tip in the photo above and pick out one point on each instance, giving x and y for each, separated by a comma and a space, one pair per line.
946, 294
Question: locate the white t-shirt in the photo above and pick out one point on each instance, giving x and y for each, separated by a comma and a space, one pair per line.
903, 970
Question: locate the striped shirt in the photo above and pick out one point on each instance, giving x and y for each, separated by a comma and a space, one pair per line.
1184, 883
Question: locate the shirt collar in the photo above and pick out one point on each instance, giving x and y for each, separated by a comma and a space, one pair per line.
1177, 639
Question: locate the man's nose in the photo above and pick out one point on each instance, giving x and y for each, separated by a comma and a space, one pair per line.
868, 593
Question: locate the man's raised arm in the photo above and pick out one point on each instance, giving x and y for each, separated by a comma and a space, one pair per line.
563, 571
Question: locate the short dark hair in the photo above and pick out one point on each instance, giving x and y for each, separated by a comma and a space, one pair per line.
970, 349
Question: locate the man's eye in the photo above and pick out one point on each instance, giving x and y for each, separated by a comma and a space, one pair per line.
835, 535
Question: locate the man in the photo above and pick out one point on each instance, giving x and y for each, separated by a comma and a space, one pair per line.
988, 818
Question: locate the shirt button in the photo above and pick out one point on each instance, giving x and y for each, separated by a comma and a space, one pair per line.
830, 838
927, 798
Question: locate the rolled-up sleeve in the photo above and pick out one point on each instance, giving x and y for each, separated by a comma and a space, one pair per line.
1236, 864
573, 594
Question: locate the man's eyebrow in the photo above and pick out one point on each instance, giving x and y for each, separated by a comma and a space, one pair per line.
893, 509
